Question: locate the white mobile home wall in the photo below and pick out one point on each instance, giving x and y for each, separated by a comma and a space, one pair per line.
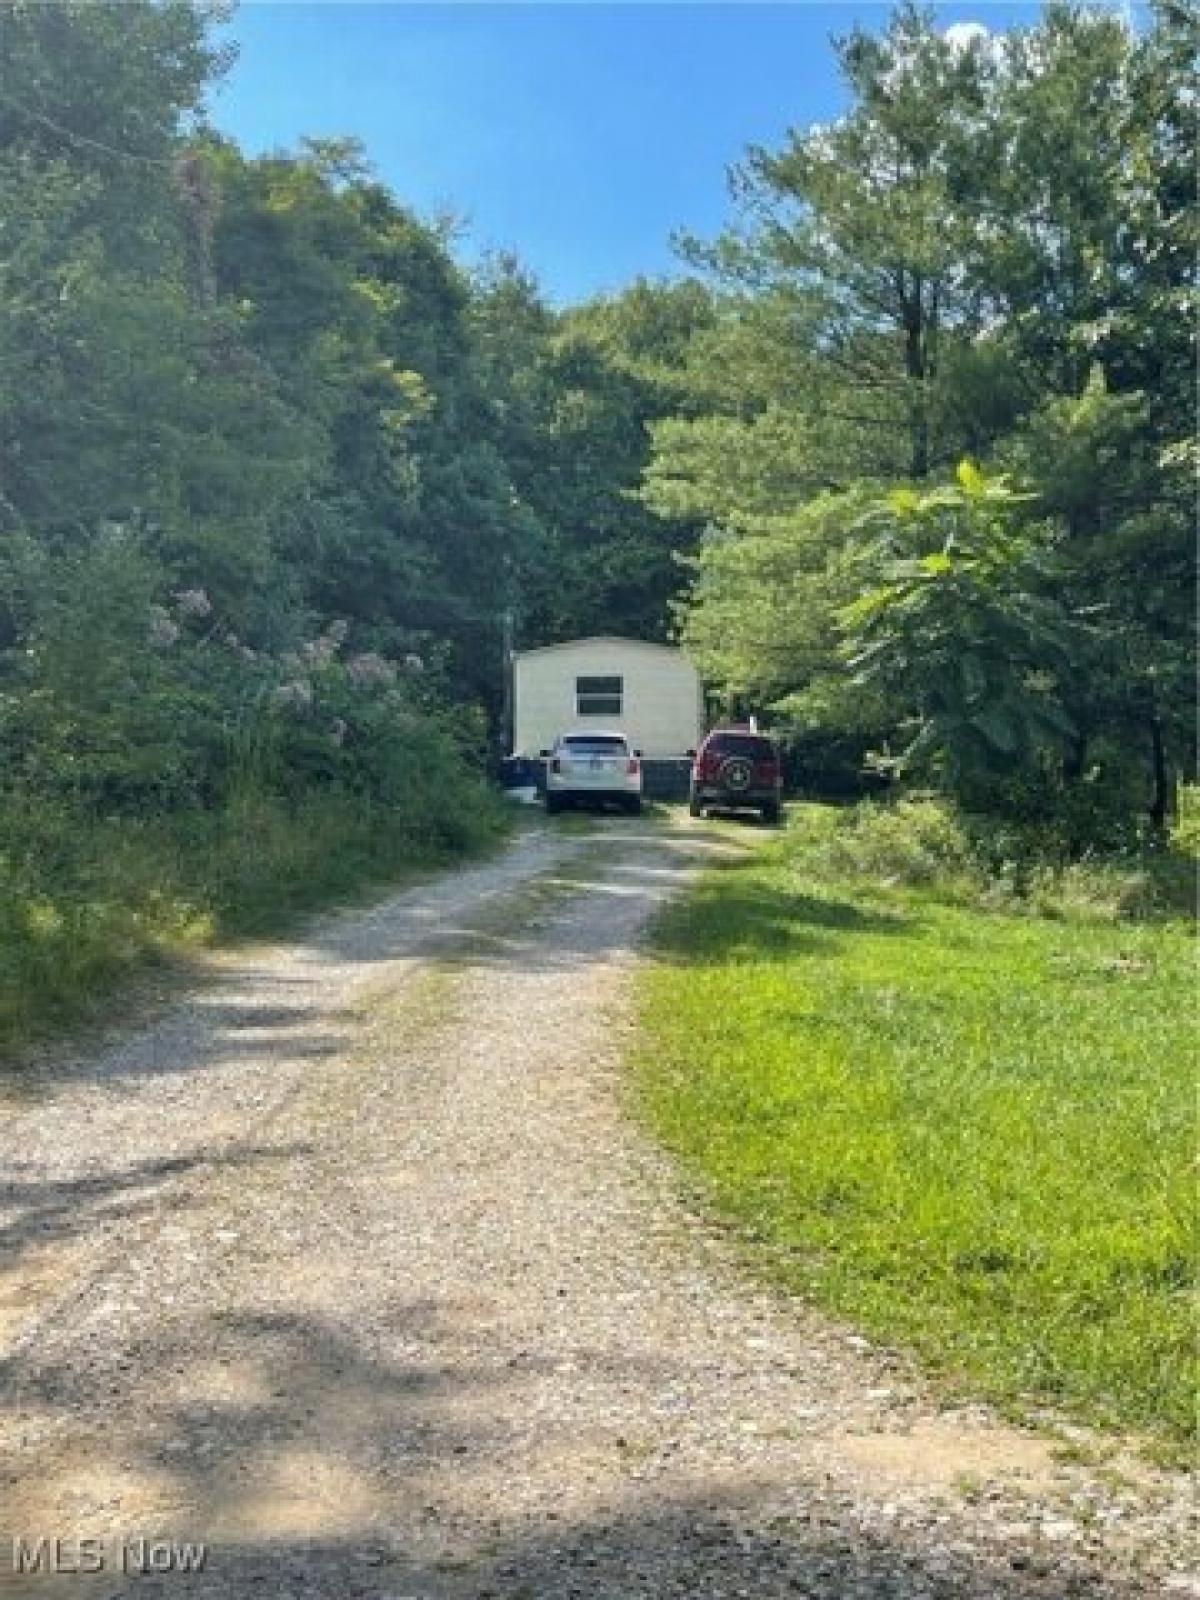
662, 712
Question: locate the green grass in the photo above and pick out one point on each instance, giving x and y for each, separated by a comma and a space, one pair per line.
969, 1130
88, 903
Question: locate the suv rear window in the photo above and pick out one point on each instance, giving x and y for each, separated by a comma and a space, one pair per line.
596, 744
740, 744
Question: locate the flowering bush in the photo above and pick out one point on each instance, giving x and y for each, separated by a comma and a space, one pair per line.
162, 631
158, 704
161, 778
294, 696
193, 603
371, 669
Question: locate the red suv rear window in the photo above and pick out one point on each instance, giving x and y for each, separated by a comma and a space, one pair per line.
752, 745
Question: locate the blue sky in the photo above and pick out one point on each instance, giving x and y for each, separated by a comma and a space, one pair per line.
578, 135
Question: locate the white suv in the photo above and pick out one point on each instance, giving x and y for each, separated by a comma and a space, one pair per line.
593, 766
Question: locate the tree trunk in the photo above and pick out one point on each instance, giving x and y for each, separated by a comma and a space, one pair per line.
914, 366
194, 185
1075, 759
1160, 797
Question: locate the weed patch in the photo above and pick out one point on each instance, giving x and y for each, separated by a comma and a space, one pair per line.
87, 901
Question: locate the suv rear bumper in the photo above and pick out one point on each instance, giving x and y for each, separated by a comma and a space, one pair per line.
711, 794
569, 793
621, 788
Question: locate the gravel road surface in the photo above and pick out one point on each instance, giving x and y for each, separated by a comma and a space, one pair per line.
353, 1267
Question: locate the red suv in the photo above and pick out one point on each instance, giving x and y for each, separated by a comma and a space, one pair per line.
733, 768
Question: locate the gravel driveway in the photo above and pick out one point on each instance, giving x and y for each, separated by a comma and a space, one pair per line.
354, 1268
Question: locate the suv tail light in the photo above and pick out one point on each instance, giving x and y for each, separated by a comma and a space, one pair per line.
633, 766
556, 765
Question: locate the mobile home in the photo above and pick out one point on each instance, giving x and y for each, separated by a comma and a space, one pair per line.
650, 692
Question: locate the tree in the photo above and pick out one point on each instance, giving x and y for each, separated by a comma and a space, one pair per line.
125, 395
578, 392
410, 526
1097, 300
853, 245
990, 255
964, 627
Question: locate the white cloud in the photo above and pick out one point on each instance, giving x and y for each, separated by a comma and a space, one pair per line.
962, 35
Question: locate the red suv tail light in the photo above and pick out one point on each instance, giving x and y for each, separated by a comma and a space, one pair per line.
633, 766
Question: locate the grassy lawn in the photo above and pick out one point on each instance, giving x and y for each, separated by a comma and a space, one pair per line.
969, 1130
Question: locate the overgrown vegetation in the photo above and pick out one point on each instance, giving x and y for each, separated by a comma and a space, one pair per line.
278, 476
168, 784
273, 468
950, 1097
84, 902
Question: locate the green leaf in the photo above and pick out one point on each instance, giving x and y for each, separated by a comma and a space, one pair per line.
936, 564
973, 676
996, 728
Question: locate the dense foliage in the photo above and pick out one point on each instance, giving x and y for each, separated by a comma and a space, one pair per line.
278, 481
986, 263
253, 518
279, 478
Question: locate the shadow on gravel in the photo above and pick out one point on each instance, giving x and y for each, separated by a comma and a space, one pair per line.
44, 1211
216, 1025
314, 1464
611, 859
700, 1549
593, 915
589, 909
708, 1548
614, 860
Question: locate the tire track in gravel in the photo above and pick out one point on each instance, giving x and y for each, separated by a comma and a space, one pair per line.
396, 1302
177, 1094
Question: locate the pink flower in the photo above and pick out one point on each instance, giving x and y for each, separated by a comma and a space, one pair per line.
163, 632
319, 651
294, 696
370, 669
193, 603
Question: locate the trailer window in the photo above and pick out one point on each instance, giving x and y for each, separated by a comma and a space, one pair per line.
599, 697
